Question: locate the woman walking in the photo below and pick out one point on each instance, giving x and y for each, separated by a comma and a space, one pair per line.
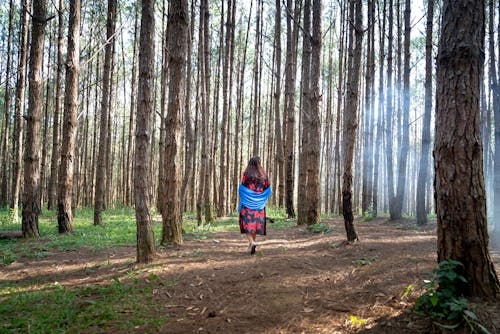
254, 192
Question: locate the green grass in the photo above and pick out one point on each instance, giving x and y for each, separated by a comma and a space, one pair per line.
57, 309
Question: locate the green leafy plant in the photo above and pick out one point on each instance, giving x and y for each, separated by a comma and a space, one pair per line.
320, 228
442, 299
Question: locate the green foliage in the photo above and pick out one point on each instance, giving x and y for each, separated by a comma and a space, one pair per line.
57, 309
442, 299
320, 228
365, 260
357, 322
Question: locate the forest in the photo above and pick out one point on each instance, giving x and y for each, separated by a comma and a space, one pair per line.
128, 129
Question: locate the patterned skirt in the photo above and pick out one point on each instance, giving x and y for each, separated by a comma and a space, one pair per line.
253, 221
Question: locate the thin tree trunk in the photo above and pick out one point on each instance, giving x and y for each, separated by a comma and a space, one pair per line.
4, 198
100, 185
20, 96
52, 195
350, 117
64, 198
405, 138
145, 237
31, 196
426, 127
133, 99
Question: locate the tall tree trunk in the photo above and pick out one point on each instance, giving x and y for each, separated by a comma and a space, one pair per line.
405, 143
340, 94
279, 160
305, 116
4, 198
177, 45
52, 195
460, 194
313, 150
19, 122
388, 118
366, 201
31, 196
100, 185
145, 237
133, 99
290, 72
423, 175
496, 168
350, 114
380, 113
225, 114
189, 172
64, 198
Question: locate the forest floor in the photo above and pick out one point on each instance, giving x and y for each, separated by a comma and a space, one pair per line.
297, 282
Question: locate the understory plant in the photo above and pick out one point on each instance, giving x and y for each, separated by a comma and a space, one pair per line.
442, 300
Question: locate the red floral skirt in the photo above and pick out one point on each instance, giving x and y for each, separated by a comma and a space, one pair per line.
253, 221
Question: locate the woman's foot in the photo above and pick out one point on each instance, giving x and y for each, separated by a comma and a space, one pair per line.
253, 246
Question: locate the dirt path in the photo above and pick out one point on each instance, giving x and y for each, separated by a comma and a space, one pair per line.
297, 282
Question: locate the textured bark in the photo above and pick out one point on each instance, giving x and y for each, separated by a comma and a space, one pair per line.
133, 99
18, 125
100, 182
279, 158
460, 193
366, 193
54, 163
305, 116
188, 138
64, 196
290, 72
423, 175
31, 196
405, 136
145, 237
340, 85
226, 92
496, 168
313, 150
256, 87
380, 122
177, 45
388, 117
350, 114
4, 198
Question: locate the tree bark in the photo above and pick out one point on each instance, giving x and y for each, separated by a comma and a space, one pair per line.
313, 150
31, 196
350, 114
305, 116
64, 198
290, 72
177, 45
18, 125
53, 179
4, 198
145, 237
426, 127
100, 185
460, 192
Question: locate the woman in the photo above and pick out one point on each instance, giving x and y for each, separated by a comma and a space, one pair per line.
254, 192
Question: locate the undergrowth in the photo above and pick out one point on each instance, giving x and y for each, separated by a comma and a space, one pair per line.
442, 300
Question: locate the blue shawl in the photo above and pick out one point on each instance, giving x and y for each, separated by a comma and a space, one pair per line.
252, 199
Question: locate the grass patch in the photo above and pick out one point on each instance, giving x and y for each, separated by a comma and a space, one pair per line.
58, 309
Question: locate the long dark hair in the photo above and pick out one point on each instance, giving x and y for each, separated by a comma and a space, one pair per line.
254, 169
